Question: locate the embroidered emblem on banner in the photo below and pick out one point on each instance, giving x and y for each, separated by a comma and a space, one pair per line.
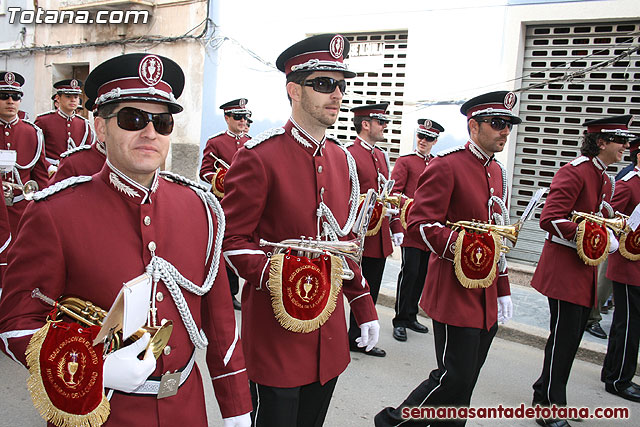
592, 242
217, 183
630, 245
336, 46
476, 258
65, 379
150, 70
304, 291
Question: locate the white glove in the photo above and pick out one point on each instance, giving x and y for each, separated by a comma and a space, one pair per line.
613, 242
398, 238
505, 309
369, 334
243, 420
124, 371
391, 212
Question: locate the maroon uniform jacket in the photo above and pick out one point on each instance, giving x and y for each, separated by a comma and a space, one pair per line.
457, 186
273, 191
83, 160
406, 173
62, 133
5, 237
581, 185
222, 145
625, 199
106, 245
25, 138
372, 161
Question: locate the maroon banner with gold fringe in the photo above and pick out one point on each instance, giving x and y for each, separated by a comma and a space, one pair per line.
304, 291
476, 258
66, 375
592, 242
630, 245
217, 183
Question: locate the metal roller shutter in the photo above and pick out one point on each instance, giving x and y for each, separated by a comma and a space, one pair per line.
549, 136
386, 56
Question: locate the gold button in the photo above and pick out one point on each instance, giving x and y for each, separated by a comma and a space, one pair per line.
167, 350
147, 220
152, 246
163, 321
159, 297
320, 169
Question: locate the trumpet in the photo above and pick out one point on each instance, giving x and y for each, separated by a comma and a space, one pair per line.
218, 161
352, 249
618, 224
27, 190
89, 314
510, 232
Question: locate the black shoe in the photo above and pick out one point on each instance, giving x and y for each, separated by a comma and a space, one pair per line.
417, 327
636, 386
400, 333
596, 330
552, 423
375, 351
236, 303
629, 393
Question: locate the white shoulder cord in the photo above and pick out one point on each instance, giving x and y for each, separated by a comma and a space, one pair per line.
330, 226
500, 219
161, 269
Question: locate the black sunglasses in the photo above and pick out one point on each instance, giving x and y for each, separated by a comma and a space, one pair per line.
130, 118
426, 138
617, 139
14, 96
238, 116
326, 84
497, 123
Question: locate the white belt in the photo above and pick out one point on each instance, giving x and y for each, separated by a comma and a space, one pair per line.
561, 241
153, 386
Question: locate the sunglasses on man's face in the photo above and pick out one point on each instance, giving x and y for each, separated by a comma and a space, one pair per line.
617, 139
238, 117
133, 119
427, 138
497, 123
326, 84
14, 96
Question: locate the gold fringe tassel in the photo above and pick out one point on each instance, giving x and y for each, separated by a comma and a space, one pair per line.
623, 249
580, 248
476, 283
404, 212
41, 400
214, 189
375, 229
285, 319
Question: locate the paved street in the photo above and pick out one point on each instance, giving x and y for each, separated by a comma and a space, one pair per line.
371, 383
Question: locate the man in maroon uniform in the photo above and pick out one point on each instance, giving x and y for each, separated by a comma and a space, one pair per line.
5, 238
219, 152
461, 184
286, 183
415, 256
83, 160
63, 129
370, 122
136, 207
624, 270
568, 282
26, 140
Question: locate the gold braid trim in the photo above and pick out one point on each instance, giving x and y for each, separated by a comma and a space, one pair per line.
580, 248
623, 249
476, 283
403, 213
375, 229
41, 400
285, 319
214, 189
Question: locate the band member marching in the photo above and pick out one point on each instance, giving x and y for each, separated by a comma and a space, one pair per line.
217, 157
624, 270
467, 290
287, 183
64, 129
26, 140
370, 122
415, 255
567, 270
124, 230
